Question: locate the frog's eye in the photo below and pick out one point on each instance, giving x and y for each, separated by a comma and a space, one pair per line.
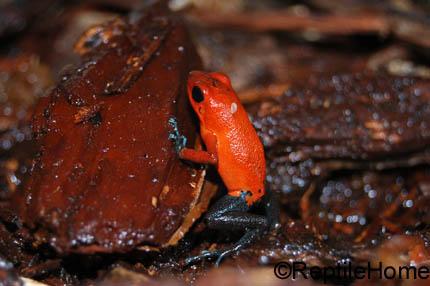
197, 94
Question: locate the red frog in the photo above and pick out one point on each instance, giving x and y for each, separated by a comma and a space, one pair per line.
233, 147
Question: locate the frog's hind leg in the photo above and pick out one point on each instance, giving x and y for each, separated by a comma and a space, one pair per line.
231, 213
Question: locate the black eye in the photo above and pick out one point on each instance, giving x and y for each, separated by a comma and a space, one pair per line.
197, 94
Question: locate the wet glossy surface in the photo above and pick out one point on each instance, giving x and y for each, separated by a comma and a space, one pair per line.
364, 205
107, 178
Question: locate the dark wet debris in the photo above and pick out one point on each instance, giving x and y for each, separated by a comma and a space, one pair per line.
8, 275
357, 116
23, 80
363, 205
343, 121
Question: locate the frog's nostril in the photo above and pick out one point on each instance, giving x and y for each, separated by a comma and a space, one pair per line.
197, 94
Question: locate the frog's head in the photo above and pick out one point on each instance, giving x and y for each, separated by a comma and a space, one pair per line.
211, 95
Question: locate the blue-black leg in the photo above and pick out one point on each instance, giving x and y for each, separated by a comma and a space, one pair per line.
232, 213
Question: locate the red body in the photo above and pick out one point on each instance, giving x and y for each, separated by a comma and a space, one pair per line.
232, 144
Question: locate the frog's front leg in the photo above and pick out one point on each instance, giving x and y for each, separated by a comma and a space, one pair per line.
198, 156
192, 155
202, 157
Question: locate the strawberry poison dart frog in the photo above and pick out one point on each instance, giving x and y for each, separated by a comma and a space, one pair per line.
233, 147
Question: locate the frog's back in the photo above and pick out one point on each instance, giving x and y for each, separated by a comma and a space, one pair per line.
241, 162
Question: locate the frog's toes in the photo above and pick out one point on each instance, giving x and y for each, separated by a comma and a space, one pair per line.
172, 122
180, 143
174, 135
205, 254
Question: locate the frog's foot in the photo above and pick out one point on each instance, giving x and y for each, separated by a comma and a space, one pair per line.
247, 239
232, 213
205, 254
179, 140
